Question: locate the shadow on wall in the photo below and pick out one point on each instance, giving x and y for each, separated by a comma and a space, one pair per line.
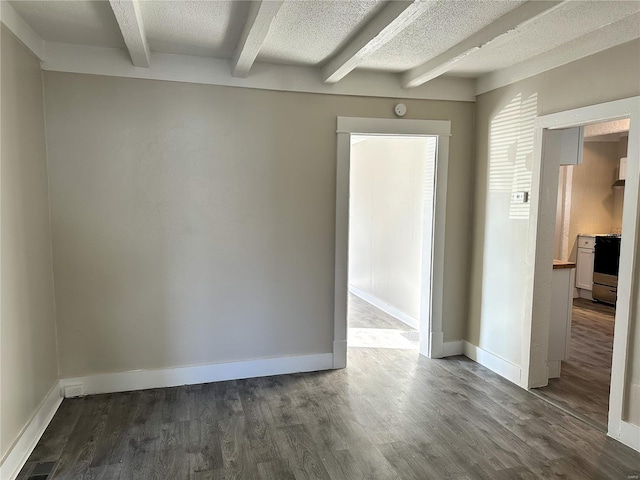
506, 228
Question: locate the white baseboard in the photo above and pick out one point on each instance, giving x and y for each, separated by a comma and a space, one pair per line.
633, 398
554, 367
452, 349
339, 354
385, 307
629, 435
172, 377
493, 362
18, 454
586, 294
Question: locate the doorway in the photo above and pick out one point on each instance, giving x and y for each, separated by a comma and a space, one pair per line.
588, 232
622, 424
391, 207
430, 331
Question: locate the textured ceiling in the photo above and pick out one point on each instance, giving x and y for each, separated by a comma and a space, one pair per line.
568, 22
308, 32
80, 22
614, 127
207, 28
445, 24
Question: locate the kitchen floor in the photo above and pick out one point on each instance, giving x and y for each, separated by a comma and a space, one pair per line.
583, 386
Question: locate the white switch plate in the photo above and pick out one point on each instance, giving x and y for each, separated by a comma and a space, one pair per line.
520, 197
71, 391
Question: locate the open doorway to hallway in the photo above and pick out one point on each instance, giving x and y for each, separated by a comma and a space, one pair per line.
588, 233
391, 207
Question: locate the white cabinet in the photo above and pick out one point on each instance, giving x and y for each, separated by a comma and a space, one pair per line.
584, 261
584, 277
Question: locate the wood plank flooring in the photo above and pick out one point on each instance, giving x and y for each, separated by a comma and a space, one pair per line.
390, 415
370, 327
585, 378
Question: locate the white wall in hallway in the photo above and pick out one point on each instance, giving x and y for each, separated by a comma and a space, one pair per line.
388, 180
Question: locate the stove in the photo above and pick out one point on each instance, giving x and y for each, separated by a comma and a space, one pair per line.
606, 264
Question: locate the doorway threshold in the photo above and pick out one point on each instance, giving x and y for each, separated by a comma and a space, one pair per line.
569, 411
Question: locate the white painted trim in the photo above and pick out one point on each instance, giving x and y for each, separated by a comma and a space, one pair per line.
598, 113
493, 362
633, 396
341, 264
604, 38
259, 20
129, 18
438, 266
339, 354
431, 331
508, 25
554, 368
172, 377
566, 211
536, 330
451, 349
19, 453
389, 22
435, 347
391, 126
385, 307
584, 293
629, 435
21, 29
114, 62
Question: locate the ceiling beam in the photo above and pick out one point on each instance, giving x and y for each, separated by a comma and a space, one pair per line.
21, 29
129, 20
504, 26
391, 20
259, 20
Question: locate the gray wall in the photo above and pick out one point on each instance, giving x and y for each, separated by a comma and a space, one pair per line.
194, 224
505, 129
27, 329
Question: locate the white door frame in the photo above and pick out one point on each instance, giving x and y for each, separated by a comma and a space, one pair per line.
431, 332
543, 210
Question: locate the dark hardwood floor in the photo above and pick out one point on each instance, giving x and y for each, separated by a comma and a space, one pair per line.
585, 378
390, 415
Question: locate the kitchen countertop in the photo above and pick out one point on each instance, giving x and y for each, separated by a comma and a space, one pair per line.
557, 264
594, 235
